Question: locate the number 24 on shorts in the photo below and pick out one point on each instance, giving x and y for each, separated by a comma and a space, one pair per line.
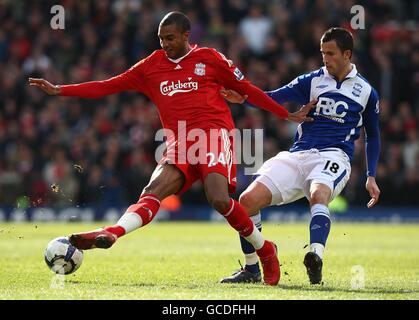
212, 159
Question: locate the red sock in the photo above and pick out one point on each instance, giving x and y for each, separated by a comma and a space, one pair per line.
237, 217
146, 207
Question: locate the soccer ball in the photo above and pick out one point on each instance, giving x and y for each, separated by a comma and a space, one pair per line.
61, 257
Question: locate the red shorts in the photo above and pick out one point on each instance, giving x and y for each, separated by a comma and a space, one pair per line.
210, 152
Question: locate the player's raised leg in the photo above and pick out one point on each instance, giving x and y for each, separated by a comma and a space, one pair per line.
165, 180
319, 230
216, 189
256, 197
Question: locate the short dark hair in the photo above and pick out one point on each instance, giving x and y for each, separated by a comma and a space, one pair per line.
343, 38
177, 18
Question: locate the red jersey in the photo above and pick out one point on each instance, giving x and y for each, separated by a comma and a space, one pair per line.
186, 89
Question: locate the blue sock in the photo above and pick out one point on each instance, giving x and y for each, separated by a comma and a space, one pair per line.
247, 248
320, 224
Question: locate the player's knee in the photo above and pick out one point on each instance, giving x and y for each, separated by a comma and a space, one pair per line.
320, 196
150, 189
250, 202
160, 190
219, 201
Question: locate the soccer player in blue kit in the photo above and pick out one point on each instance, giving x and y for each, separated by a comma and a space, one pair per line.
318, 165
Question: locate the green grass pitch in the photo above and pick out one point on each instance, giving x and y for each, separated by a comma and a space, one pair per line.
186, 261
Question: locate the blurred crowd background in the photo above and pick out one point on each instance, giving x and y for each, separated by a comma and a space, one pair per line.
102, 151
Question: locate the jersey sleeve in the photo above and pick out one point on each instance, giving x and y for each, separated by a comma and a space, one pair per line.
131, 80
229, 76
372, 133
297, 90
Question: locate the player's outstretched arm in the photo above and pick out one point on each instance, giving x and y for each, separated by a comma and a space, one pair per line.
91, 90
46, 86
229, 76
298, 116
373, 190
132, 79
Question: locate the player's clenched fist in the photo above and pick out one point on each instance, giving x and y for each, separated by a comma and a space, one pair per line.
48, 87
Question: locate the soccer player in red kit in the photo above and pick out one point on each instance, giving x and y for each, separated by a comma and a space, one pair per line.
184, 82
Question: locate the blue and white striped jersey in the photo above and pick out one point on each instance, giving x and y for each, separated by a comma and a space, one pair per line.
342, 109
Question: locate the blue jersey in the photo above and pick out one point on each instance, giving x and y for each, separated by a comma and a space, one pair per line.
342, 109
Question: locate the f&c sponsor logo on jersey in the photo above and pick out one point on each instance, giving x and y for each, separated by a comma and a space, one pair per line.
330, 109
170, 88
